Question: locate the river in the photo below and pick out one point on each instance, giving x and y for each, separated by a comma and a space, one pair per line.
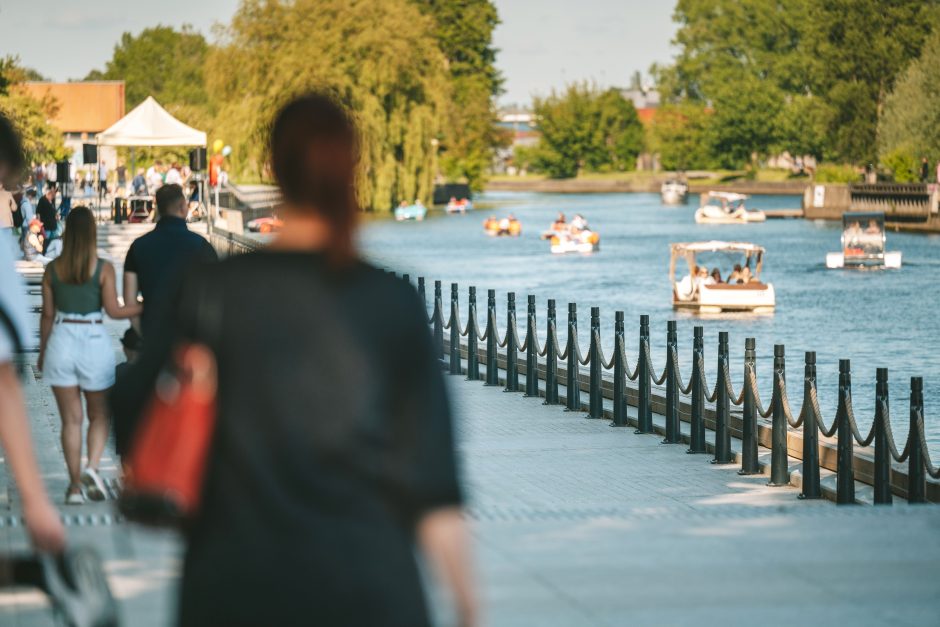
874, 318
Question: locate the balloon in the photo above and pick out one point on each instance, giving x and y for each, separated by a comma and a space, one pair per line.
217, 146
226, 151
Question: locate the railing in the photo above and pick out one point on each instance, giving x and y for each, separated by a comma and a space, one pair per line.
541, 364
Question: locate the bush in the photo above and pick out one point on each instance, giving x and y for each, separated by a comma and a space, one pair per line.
903, 165
832, 173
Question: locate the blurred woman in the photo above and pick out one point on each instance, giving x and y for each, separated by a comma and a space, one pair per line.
75, 352
333, 452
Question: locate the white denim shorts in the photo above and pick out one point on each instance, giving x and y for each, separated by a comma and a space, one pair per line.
79, 354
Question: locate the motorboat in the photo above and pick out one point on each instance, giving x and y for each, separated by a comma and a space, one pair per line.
575, 241
863, 243
703, 292
726, 208
459, 206
270, 224
674, 192
417, 211
506, 227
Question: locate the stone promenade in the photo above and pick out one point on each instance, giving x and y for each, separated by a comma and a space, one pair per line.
579, 523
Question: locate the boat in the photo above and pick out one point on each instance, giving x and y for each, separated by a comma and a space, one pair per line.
417, 211
727, 208
506, 227
701, 293
863, 246
575, 241
459, 206
674, 192
270, 224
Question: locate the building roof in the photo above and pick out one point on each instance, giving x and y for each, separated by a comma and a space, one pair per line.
83, 107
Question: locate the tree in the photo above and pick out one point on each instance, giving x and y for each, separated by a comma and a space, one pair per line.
586, 129
162, 62
679, 134
911, 120
464, 32
41, 140
377, 57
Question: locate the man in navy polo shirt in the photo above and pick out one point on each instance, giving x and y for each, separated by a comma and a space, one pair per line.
156, 261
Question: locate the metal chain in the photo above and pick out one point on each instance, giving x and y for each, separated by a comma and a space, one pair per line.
855, 432
521, 346
814, 399
577, 346
730, 389
606, 365
505, 341
649, 365
713, 397
889, 436
481, 337
785, 403
553, 338
933, 472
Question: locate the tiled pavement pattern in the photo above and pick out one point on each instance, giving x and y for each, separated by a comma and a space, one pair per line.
578, 523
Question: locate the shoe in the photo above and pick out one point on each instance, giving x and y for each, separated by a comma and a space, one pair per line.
74, 498
94, 486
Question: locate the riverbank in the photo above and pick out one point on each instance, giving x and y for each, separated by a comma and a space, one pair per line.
645, 184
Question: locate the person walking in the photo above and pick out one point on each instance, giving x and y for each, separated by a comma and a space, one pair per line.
924, 169
42, 520
333, 453
157, 260
75, 352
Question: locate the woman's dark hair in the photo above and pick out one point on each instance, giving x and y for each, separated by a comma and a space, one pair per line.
314, 154
11, 149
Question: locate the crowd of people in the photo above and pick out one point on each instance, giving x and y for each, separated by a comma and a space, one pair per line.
334, 481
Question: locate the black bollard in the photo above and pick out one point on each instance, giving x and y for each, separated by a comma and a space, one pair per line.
811, 488
620, 396
723, 454
531, 351
673, 434
845, 475
697, 429
916, 477
438, 317
749, 465
492, 342
473, 358
572, 381
595, 402
406, 278
644, 409
512, 349
455, 366
779, 471
551, 356
882, 454
422, 294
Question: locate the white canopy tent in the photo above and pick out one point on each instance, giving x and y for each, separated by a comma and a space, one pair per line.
149, 124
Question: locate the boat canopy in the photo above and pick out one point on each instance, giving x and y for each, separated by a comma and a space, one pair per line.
689, 250
728, 196
863, 217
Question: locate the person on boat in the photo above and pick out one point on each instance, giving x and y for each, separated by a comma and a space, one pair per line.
746, 275
504, 225
515, 227
873, 228
716, 276
578, 223
685, 288
704, 278
491, 225
560, 223
736, 275
853, 234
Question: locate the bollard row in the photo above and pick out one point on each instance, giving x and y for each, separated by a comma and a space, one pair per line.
542, 364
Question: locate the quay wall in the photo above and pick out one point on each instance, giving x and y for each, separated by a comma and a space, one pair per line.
592, 186
907, 207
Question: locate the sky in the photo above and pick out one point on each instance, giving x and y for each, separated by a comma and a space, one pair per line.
543, 44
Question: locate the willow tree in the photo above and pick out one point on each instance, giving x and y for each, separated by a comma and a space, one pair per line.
377, 57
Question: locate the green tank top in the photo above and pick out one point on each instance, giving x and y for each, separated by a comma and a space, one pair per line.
77, 299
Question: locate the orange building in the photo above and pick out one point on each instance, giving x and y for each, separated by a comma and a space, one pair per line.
83, 109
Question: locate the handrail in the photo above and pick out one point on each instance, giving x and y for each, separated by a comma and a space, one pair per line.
541, 362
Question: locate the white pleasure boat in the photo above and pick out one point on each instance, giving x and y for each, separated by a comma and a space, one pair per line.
726, 208
863, 243
705, 291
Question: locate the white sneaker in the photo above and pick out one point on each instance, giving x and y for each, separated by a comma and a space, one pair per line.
94, 486
74, 498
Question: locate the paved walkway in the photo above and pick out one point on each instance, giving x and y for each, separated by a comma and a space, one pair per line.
578, 523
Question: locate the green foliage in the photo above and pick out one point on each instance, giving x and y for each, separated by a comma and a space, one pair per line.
586, 129
41, 141
162, 62
464, 30
806, 76
903, 164
378, 57
679, 134
911, 119
834, 173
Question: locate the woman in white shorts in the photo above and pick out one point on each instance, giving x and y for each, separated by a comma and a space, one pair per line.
76, 354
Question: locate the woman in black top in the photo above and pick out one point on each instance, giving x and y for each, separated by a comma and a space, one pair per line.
333, 452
